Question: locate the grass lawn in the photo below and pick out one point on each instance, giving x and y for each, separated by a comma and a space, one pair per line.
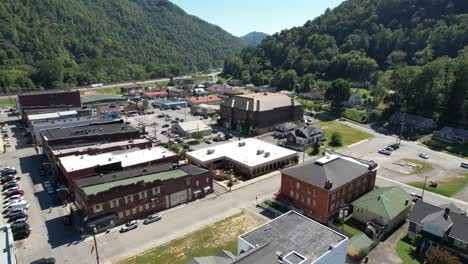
406, 251
205, 242
7, 102
454, 149
425, 167
362, 91
350, 227
350, 135
446, 187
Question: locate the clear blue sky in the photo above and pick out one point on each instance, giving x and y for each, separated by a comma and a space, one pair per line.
240, 17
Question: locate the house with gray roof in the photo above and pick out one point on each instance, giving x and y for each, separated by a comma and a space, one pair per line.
289, 239
451, 135
413, 121
305, 137
439, 228
383, 208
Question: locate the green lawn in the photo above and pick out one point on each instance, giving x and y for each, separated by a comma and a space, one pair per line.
350, 227
406, 251
425, 166
454, 149
446, 187
205, 242
7, 102
361, 91
350, 135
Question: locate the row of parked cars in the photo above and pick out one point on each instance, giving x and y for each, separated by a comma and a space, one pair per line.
134, 223
14, 205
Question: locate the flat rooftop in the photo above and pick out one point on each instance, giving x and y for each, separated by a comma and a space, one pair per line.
100, 146
100, 183
53, 115
291, 234
126, 159
250, 152
339, 169
101, 129
90, 119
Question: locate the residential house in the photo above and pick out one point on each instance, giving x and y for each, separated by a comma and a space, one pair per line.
382, 209
439, 228
304, 137
317, 95
321, 187
289, 239
259, 112
451, 135
112, 199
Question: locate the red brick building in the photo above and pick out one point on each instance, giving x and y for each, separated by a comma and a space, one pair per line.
112, 199
49, 99
209, 99
80, 166
322, 186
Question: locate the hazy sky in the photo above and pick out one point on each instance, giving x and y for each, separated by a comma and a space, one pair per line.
240, 17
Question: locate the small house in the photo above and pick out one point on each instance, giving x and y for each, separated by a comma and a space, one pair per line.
451, 135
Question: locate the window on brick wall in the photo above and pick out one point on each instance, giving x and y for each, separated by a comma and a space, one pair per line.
298, 185
297, 196
121, 215
127, 212
97, 208
142, 195
134, 210
308, 190
365, 179
308, 201
333, 196
332, 207
314, 203
291, 184
129, 198
197, 182
207, 180
140, 208
187, 182
302, 199
315, 193
358, 183
156, 190
114, 203
291, 193
147, 206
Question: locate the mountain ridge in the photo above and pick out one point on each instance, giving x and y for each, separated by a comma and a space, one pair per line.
254, 37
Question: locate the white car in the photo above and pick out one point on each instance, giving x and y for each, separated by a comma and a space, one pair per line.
12, 198
13, 202
129, 226
16, 188
423, 155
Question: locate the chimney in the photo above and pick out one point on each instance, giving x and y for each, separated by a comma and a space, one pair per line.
328, 184
446, 213
280, 256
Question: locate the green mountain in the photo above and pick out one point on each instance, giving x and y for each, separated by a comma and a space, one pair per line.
360, 37
253, 38
56, 43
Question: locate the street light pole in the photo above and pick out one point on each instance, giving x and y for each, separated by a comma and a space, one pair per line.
95, 245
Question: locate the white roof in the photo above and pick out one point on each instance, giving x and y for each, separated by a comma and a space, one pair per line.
43, 116
80, 162
68, 113
251, 154
100, 146
196, 125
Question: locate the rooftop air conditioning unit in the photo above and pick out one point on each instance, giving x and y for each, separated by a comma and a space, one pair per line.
242, 143
260, 151
267, 154
210, 151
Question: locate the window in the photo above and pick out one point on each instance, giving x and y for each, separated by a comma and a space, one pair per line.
365, 179
350, 188
341, 201
187, 182
332, 207
147, 206
297, 196
314, 203
308, 201
197, 182
358, 183
308, 190
333, 196
134, 210
142, 195
127, 212
97, 208
121, 215
207, 180
298, 185
140, 208
291, 193
315, 193
156, 190
114, 203
129, 198
302, 199
291, 184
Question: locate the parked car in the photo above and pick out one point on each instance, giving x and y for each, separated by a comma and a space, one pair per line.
208, 142
464, 165
216, 139
11, 188
8, 171
10, 214
8, 179
152, 218
10, 185
395, 146
433, 183
129, 226
20, 229
160, 116
21, 235
13, 192
423, 155
174, 122
19, 218
164, 132
13, 202
20, 225
165, 125
385, 152
12, 198
416, 196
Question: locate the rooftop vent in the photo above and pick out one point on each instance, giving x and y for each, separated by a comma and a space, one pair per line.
241, 143
267, 154
210, 151
260, 151
328, 184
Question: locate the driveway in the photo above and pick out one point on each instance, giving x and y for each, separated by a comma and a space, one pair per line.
385, 252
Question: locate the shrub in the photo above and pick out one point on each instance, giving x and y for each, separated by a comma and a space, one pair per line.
336, 139
197, 135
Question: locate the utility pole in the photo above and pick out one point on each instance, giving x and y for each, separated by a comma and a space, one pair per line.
401, 133
424, 188
303, 152
95, 244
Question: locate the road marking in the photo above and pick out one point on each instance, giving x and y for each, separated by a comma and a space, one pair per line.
357, 143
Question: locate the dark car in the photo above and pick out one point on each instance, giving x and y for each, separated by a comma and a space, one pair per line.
21, 234
395, 146
20, 225
161, 116
216, 139
164, 132
9, 178
17, 217
165, 125
174, 122
208, 142
14, 213
9, 185
44, 261
13, 192
8, 172
20, 228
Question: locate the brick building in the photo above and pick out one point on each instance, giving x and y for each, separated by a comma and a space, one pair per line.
322, 186
80, 166
259, 112
49, 99
209, 99
112, 199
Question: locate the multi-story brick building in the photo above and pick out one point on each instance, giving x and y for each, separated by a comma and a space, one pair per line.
259, 112
49, 99
80, 166
321, 187
112, 199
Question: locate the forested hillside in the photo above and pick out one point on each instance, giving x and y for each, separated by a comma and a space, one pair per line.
56, 43
253, 38
415, 48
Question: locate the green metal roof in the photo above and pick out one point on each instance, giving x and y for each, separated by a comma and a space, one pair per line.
98, 188
100, 97
387, 202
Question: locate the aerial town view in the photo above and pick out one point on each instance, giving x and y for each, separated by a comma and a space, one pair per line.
234, 132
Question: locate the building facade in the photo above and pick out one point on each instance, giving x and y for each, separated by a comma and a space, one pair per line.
113, 199
322, 187
259, 112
